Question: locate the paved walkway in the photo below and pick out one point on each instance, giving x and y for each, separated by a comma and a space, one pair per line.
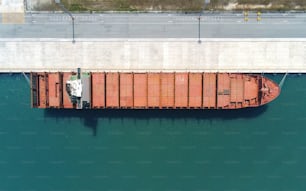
212, 55
11, 6
12, 12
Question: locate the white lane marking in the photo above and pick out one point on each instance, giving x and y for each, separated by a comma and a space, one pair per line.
203, 23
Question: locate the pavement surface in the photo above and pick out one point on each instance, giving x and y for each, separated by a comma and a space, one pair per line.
154, 55
11, 6
217, 25
156, 42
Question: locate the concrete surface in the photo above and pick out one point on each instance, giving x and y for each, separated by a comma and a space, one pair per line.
11, 12
11, 6
155, 42
212, 55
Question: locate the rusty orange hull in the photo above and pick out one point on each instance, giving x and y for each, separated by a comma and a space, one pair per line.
151, 90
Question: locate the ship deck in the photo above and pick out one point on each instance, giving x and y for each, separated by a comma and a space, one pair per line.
157, 90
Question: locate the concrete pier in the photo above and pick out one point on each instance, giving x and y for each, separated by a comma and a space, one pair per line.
137, 55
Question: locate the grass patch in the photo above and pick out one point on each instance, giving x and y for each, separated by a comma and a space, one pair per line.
134, 5
260, 2
45, 6
277, 4
181, 5
77, 7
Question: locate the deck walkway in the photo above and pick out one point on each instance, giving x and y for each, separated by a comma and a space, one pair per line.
128, 55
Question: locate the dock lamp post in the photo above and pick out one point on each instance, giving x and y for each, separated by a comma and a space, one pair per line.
58, 2
199, 18
206, 2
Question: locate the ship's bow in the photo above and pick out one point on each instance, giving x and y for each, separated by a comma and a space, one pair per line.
269, 90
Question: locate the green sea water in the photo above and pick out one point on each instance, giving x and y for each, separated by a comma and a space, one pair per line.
261, 149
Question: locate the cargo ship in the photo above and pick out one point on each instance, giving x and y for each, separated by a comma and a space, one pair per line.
119, 90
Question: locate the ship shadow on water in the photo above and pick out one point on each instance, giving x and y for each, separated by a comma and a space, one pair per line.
90, 118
